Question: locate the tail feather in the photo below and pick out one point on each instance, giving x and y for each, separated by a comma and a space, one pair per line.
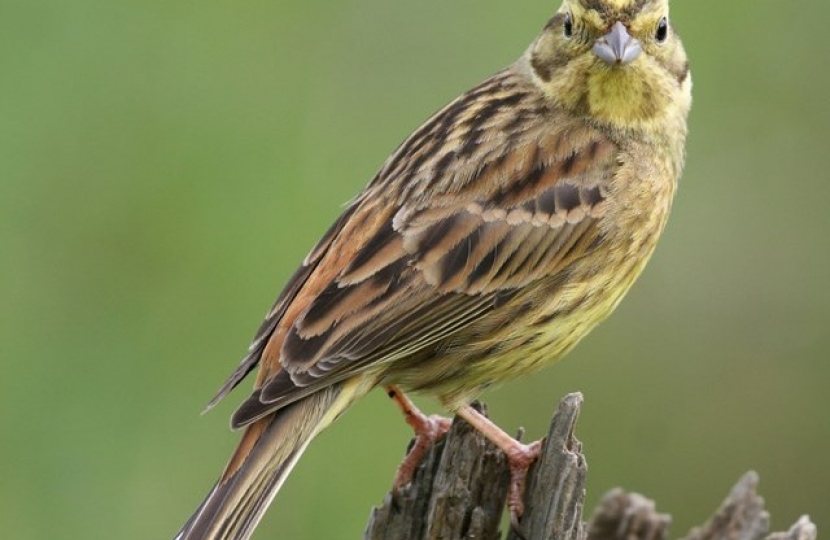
268, 451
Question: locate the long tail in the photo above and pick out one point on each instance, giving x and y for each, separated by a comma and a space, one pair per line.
268, 451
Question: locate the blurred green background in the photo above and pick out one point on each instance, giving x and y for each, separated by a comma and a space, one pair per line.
164, 166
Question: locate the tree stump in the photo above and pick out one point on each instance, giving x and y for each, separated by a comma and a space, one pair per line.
458, 493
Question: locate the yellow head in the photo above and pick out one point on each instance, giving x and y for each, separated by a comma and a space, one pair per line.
617, 61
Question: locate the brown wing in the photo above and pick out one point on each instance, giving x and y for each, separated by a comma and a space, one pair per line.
473, 212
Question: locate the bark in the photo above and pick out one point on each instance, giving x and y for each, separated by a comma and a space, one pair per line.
458, 493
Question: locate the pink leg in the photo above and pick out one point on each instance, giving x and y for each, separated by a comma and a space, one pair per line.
520, 457
428, 429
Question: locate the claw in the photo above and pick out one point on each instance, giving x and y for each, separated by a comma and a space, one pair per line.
520, 457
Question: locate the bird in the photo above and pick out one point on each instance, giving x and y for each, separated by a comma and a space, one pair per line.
494, 238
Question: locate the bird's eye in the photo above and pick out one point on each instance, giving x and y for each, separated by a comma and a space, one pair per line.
662, 30
568, 25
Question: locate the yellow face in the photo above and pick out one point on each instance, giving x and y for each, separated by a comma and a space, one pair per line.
619, 61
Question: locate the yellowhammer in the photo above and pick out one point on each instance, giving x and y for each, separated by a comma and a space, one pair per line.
490, 242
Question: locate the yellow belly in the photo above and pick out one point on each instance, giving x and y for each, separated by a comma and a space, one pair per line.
534, 329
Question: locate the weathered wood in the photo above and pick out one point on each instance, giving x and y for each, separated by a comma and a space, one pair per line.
803, 529
555, 492
458, 493
742, 517
625, 516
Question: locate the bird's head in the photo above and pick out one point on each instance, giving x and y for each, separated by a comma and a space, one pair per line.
618, 61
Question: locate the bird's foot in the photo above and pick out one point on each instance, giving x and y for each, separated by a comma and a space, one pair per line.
428, 430
520, 457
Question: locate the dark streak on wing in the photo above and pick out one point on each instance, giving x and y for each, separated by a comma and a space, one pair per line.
592, 196
484, 266
530, 180
566, 196
370, 250
546, 202
458, 257
568, 165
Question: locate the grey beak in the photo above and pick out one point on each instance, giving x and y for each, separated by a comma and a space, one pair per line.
617, 46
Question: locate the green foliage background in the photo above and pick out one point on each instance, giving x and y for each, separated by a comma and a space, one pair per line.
164, 166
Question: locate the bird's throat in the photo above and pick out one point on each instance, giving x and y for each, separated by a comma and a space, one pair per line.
622, 98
